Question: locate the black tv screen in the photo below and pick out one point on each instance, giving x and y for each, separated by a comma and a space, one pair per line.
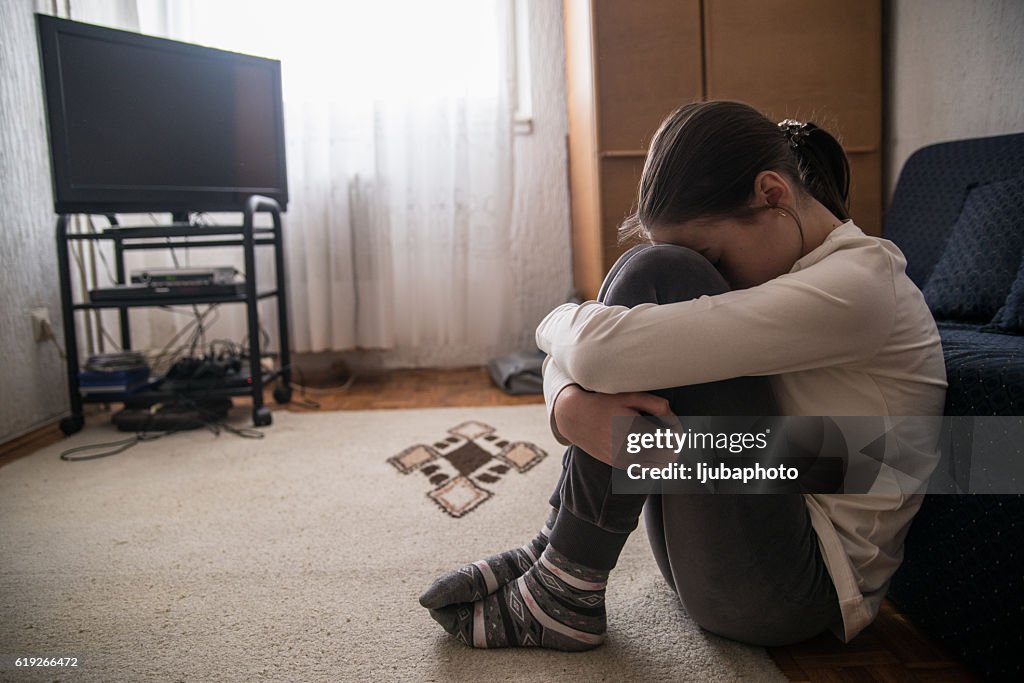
139, 123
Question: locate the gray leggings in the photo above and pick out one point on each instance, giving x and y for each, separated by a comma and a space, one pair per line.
746, 567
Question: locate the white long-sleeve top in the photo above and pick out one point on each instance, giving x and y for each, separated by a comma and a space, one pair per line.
844, 333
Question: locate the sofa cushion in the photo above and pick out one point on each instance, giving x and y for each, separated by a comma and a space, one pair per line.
985, 371
1010, 318
982, 255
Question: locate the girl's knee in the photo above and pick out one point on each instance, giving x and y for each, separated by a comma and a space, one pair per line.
661, 273
645, 259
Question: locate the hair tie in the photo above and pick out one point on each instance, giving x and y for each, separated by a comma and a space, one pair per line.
795, 131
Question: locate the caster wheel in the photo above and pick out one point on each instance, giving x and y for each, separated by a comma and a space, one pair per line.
283, 394
72, 424
262, 417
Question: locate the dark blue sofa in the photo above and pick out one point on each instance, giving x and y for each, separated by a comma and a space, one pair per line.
958, 215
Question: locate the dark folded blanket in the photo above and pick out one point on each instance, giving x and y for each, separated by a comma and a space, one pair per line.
519, 372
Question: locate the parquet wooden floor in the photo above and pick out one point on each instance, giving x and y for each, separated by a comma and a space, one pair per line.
891, 650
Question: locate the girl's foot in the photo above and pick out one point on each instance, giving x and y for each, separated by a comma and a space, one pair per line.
476, 581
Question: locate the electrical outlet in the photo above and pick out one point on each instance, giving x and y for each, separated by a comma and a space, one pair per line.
42, 328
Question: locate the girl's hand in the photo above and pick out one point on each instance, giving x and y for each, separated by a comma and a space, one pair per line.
585, 417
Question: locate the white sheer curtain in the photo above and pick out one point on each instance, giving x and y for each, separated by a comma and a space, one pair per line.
398, 125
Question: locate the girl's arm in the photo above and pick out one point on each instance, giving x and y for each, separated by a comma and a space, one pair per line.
555, 381
584, 418
837, 311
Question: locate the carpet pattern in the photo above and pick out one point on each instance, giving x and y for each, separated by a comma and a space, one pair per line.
299, 557
472, 455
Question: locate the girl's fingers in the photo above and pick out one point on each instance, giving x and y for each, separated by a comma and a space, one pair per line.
650, 404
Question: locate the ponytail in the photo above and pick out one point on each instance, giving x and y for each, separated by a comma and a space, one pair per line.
822, 164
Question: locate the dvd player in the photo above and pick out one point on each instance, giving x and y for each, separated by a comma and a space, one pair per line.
173, 277
140, 292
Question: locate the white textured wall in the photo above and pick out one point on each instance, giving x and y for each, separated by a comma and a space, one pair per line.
33, 386
32, 382
542, 256
956, 71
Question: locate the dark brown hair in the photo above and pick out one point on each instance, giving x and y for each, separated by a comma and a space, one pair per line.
705, 156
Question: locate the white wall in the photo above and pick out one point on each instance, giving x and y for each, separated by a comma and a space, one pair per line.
33, 388
32, 381
956, 71
542, 257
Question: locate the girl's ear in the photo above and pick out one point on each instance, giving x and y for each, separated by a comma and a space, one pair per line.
770, 189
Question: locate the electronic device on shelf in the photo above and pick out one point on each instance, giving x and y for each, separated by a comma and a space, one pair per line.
116, 361
192, 374
183, 277
120, 382
148, 292
139, 123
124, 372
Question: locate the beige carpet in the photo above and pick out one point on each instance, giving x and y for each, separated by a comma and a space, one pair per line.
300, 557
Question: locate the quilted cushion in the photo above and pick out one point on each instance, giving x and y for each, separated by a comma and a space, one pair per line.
982, 255
1010, 318
931, 190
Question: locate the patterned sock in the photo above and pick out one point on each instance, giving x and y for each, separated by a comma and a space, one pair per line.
558, 604
477, 580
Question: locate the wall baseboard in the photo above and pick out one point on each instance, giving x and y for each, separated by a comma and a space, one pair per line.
31, 441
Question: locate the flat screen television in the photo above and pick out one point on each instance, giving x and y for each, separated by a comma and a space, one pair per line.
138, 123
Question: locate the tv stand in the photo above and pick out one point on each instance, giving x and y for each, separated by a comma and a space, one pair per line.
246, 236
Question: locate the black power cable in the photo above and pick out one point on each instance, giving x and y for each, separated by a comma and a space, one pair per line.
212, 421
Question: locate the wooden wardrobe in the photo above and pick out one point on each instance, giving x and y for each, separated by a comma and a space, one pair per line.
629, 63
